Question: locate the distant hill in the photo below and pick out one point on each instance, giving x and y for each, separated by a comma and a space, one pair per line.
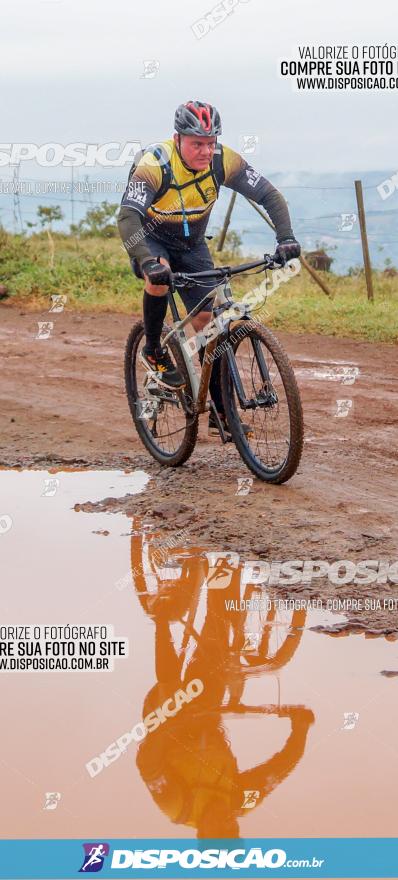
316, 203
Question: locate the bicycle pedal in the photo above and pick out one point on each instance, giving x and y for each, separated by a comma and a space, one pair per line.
152, 387
157, 378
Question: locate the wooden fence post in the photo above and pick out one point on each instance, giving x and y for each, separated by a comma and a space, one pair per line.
303, 261
226, 222
364, 237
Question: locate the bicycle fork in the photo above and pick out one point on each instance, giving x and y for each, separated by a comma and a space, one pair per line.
267, 395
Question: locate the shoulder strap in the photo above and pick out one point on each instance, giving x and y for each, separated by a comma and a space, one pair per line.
160, 154
218, 166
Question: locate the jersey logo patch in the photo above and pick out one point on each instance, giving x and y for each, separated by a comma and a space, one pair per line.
252, 176
210, 192
136, 192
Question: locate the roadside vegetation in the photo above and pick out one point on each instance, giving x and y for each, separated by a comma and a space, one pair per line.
91, 267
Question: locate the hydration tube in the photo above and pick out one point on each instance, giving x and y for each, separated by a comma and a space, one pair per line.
185, 224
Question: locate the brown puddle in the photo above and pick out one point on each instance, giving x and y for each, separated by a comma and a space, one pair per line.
288, 733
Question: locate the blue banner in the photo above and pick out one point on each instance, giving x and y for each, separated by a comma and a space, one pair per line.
181, 858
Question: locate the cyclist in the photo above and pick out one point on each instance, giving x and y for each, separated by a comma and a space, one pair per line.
188, 763
164, 214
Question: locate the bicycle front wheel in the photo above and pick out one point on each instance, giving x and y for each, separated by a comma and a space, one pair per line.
262, 403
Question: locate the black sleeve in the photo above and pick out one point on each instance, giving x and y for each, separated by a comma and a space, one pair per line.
132, 233
141, 191
257, 188
276, 207
244, 179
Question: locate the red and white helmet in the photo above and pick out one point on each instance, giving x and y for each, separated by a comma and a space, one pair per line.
198, 118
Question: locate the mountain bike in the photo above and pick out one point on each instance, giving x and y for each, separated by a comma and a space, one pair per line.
259, 389
170, 583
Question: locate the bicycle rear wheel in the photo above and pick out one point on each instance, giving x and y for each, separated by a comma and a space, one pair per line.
257, 371
164, 419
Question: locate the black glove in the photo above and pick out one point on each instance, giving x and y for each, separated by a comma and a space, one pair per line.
287, 250
156, 272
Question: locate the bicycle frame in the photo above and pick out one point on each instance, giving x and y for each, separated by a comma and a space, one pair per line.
200, 386
222, 300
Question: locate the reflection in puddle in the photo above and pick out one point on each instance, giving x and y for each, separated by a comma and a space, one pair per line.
188, 764
292, 733
231, 748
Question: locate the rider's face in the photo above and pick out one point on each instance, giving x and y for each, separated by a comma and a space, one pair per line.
197, 152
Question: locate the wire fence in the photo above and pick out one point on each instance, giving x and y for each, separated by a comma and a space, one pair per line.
324, 216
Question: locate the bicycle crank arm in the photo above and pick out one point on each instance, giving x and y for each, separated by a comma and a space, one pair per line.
161, 393
220, 426
158, 392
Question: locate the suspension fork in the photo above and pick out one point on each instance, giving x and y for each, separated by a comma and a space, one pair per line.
233, 368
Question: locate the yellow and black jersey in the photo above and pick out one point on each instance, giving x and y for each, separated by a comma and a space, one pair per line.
175, 202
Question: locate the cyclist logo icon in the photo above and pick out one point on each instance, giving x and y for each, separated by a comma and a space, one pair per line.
151, 68
94, 855
346, 222
221, 567
250, 800
52, 800
250, 142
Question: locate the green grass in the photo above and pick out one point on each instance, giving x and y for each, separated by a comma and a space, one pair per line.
301, 307
95, 275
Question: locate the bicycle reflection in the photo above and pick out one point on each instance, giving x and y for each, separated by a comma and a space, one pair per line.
187, 763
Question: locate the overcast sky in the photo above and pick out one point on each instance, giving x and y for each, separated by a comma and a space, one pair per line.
73, 72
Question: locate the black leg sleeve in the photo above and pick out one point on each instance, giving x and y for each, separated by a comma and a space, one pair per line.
215, 382
155, 308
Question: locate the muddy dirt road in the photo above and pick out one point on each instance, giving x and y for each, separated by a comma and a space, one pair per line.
62, 404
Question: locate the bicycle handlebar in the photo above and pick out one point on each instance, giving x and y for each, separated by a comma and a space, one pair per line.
221, 273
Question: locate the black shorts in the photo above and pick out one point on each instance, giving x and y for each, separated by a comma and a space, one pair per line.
197, 259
